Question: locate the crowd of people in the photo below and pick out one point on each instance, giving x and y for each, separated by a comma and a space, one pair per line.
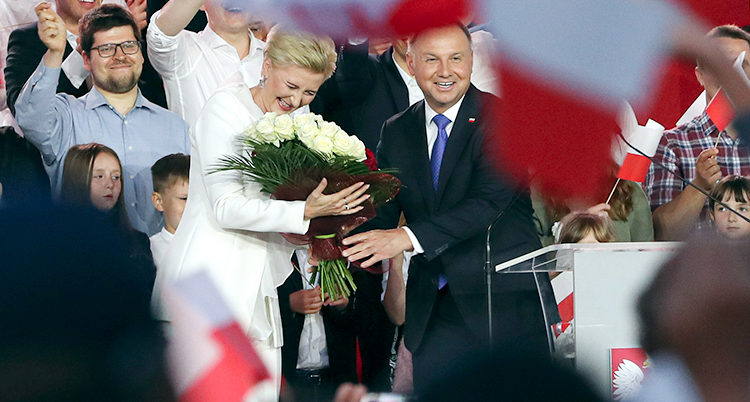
121, 115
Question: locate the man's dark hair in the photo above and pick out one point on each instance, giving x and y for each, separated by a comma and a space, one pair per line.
104, 18
169, 169
729, 31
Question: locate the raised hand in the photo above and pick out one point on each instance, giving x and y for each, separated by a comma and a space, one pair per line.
53, 33
707, 169
138, 8
344, 202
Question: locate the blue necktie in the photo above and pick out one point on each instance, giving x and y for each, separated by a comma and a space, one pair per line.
435, 161
439, 147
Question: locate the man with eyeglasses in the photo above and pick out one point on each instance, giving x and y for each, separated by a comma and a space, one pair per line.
113, 112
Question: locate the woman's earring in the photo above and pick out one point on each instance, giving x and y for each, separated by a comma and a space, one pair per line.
262, 82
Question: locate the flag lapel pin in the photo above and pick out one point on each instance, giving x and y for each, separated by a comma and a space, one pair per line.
472, 119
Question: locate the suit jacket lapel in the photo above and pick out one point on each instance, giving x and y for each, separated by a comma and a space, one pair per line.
462, 131
417, 141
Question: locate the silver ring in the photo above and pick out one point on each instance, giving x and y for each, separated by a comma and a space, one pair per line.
346, 207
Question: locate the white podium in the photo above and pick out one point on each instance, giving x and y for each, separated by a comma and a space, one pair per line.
607, 279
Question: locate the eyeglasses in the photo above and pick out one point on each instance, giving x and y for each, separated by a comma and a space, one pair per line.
109, 49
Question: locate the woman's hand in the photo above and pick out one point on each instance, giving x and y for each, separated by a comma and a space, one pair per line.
344, 202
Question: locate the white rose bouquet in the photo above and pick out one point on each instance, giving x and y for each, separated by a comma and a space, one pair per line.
289, 156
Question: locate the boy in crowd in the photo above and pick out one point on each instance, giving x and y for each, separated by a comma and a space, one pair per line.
735, 192
171, 178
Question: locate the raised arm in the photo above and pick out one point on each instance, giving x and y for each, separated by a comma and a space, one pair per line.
176, 15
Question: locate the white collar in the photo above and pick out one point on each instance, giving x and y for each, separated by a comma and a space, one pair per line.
451, 113
215, 41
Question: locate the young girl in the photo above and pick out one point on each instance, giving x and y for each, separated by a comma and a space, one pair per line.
92, 178
735, 192
584, 227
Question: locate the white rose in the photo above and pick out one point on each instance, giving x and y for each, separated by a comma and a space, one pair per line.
302, 119
251, 132
342, 143
323, 144
284, 127
328, 129
264, 126
358, 150
307, 133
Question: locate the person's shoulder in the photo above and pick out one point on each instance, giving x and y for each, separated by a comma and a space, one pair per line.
26, 31
406, 116
699, 124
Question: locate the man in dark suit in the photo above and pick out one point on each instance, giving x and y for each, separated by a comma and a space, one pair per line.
365, 91
451, 194
25, 51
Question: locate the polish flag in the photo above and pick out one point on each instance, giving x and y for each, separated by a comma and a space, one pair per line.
210, 357
645, 139
720, 109
563, 78
562, 286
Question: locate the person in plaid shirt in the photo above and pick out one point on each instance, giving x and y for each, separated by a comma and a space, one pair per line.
689, 151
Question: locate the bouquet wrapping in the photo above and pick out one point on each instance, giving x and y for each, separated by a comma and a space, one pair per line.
289, 156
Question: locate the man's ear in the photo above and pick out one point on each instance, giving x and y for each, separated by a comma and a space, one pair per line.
86, 61
410, 62
157, 201
699, 76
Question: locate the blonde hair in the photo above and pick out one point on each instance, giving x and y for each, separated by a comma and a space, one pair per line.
301, 49
576, 225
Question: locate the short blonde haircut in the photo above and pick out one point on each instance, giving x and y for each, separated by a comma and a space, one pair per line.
301, 49
576, 225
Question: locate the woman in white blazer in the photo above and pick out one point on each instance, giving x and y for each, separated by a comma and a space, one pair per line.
229, 227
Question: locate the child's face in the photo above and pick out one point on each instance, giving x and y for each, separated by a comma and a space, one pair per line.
727, 223
172, 203
106, 182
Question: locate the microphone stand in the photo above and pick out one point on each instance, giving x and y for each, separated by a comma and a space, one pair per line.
488, 269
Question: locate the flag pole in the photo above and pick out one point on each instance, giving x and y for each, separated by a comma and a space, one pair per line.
613, 190
718, 139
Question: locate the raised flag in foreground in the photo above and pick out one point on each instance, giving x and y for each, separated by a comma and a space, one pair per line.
210, 358
720, 109
645, 139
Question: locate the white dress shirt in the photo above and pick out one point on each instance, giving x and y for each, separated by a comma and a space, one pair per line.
159, 246
193, 65
313, 350
432, 133
72, 66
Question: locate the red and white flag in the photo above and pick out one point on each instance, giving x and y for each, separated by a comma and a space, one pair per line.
720, 109
210, 357
645, 139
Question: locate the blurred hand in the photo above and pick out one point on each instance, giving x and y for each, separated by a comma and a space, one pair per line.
344, 202
379, 45
349, 392
51, 28
306, 301
138, 8
707, 169
599, 209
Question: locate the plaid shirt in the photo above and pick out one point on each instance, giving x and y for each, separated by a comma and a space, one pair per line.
679, 149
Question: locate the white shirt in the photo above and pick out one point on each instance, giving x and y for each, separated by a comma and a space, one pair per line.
415, 93
313, 351
159, 246
432, 133
193, 65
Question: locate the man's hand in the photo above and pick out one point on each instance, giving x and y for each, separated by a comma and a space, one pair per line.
599, 209
53, 33
138, 8
377, 244
707, 169
306, 301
